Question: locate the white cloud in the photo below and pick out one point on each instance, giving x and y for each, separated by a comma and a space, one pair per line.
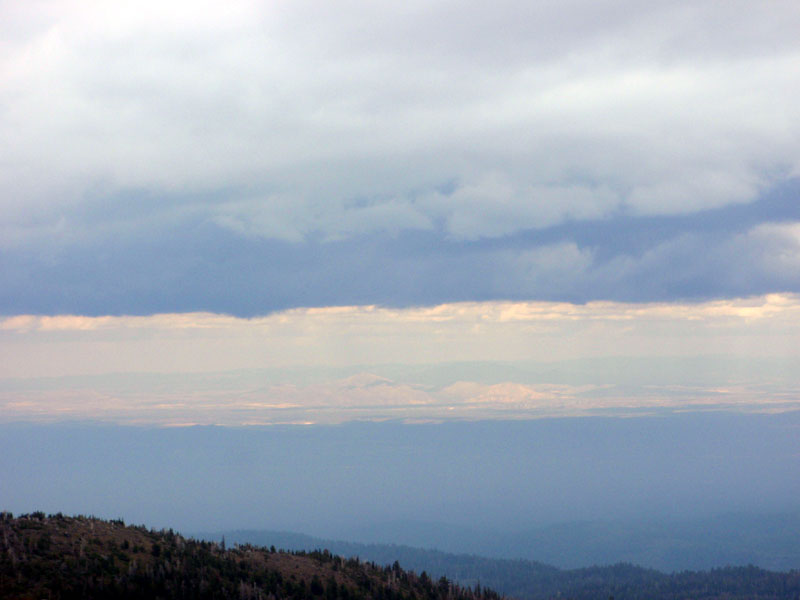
369, 335
693, 190
493, 206
555, 267
780, 250
293, 219
538, 113
333, 364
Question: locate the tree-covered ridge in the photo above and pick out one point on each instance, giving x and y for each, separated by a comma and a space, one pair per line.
60, 557
530, 580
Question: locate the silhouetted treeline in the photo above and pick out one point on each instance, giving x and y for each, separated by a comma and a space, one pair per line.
63, 558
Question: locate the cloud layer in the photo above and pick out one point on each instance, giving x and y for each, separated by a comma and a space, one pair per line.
494, 360
252, 157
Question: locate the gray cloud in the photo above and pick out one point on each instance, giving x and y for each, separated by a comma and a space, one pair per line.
194, 264
252, 157
765, 257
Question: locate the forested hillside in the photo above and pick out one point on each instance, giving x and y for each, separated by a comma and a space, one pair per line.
531, 580
60, 557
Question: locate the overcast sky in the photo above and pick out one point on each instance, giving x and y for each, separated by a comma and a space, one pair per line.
249, 157
190, 186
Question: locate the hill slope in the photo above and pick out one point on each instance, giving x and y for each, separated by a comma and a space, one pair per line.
62, 558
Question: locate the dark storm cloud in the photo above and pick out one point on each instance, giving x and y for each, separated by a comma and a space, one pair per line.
140, 262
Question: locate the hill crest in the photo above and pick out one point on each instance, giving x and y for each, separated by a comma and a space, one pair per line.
61, 557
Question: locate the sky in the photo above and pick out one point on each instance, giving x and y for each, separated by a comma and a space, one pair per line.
327, 266
266, 212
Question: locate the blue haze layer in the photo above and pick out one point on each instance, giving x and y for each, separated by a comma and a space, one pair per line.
338, 481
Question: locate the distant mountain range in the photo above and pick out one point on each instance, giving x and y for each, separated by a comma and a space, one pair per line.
729, 545
770, 541
62, 558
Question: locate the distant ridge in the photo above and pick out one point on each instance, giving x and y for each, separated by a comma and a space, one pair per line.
770, 541
532, 580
